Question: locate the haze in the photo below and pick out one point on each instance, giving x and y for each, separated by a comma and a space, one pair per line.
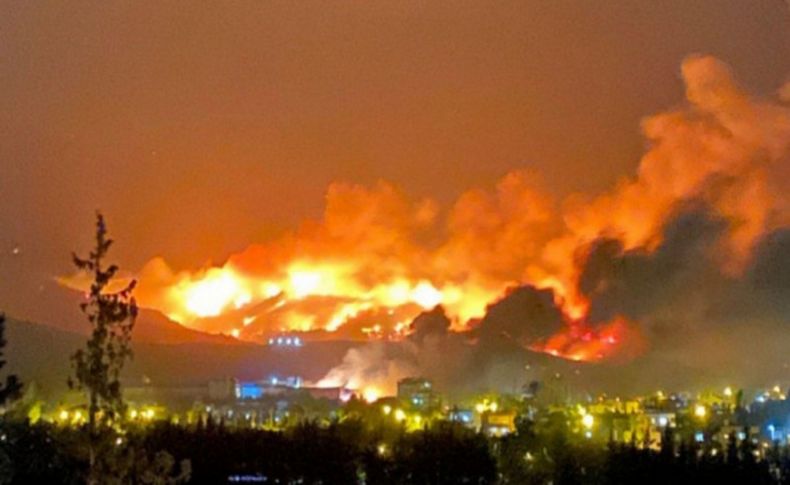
198, 132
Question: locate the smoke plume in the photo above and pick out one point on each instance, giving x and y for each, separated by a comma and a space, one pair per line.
691, 252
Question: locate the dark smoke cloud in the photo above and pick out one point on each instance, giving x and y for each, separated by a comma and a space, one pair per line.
695, 314
430, 326
769, 276
525, 315
639, 283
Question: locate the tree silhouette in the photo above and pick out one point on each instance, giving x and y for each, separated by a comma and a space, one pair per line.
97, 367
12, 385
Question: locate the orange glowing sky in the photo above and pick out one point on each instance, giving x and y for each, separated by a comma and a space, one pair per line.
200, 130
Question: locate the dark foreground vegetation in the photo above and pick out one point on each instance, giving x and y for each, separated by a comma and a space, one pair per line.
350, 452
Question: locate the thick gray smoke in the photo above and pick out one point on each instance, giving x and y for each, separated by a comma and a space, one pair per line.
694, 314
491, 356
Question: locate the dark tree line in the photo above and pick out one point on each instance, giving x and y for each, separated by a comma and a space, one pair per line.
342, 453
351, 452
539, 455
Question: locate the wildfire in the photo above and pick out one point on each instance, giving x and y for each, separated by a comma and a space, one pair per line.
304, 292
378, 258
209, 297
222, 290
580, 342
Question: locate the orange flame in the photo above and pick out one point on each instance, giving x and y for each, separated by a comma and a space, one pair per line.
377, 258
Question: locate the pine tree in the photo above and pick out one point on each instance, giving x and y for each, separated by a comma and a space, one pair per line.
98, 366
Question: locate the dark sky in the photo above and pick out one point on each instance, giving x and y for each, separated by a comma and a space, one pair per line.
200, 130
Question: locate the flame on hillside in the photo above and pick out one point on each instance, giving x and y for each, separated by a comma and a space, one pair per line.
377, 258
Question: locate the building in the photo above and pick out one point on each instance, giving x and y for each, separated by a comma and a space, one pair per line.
498, 423
274, 386
417, 392
661, 419
222, 389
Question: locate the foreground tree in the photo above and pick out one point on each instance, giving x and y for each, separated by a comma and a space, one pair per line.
97, 367
111, 310
8, 392
12, 386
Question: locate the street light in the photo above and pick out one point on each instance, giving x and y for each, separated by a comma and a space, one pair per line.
700, 411
588, 421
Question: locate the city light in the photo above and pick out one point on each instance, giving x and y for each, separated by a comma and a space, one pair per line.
286, 341
529, 457
588, 421
700, 411
484, 406
495, 420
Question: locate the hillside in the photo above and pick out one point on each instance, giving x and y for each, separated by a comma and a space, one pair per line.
41, 353
61, 310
